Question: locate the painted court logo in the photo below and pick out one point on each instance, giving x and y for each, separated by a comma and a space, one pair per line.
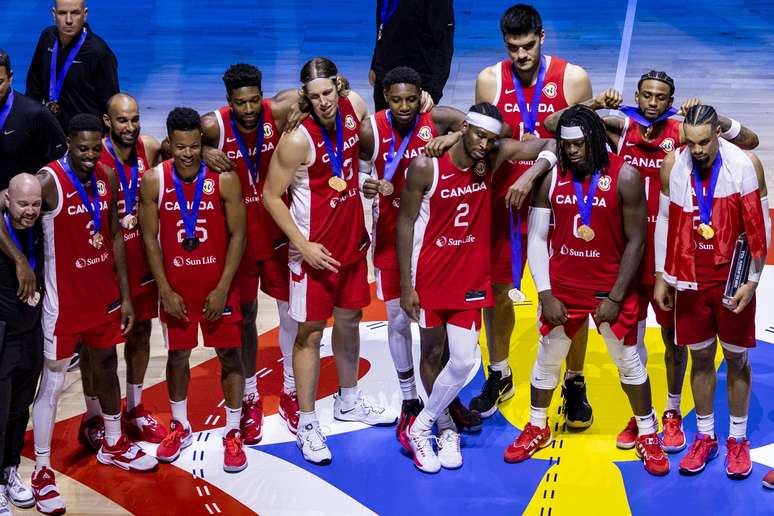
209, 186
349, 122
425, 133
604, 183
549, 90
668, 145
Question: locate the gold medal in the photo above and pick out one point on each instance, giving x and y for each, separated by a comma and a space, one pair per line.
585, 233
97, 240
53, 106
337, 183
706, 231
129, 221
516, 295
386, 188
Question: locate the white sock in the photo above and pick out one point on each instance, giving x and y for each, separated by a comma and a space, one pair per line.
112, 428
647, 424
288, 330
706, 424
133, 395
44, 409
349, 395
180, 412
305, 418
251, 386
232, 419
538, 416
445, 422
642, 350
93, 408
738, 428
423, 422
501, 366
408, 386
673, 401
569, 375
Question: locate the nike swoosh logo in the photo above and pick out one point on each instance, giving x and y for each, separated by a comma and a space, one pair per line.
562, 183
169, 190
630, 144
71, 194
447, 176
9, 132
508, 92
321, 144
348, 411
386, 140
230, 140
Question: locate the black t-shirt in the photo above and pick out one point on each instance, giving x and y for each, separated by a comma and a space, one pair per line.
30, 138
18, 315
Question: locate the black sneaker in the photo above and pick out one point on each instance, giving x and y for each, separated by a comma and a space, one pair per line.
408, 410
576, 409
466, 421
495, 391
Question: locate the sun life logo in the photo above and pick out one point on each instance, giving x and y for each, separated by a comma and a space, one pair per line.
80, 263
177, 261
441, 241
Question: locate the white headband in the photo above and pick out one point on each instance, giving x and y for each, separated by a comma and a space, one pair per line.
484, 122
571, 133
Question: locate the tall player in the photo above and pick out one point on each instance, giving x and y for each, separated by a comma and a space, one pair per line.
388, 143
87, 299
193, 228
643, 138
527, 87
597, 204
326, 229
711, 193
231, 137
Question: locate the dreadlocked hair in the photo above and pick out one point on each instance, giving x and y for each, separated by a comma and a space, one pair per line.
320, 68
655, 75
594, 134
701, 115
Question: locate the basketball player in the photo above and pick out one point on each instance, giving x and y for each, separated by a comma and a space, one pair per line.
231, 136
87, 300
597, 205
193, 228
643, 138
388, 143
325, 226
711, 193
527, 87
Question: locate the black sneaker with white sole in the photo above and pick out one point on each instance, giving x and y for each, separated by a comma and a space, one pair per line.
495, 391
408, 409
576, 408
465, 420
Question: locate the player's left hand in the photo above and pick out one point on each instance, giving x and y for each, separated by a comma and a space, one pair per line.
127, 317
295, 117
426, 102
519, 191
607, 311
688, 104
216, 160
370, 188
440, 144
528, 137
214, 304
26, 277
742, 298
409, 301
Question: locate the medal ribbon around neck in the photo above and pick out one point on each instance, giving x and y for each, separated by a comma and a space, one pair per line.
30, 253
393, 158
388, 9
55, 82
91, 206
336, 155
705, 202
189, 216
253, 167
529, 116
635, 114
129, 187
585, 203
6, 110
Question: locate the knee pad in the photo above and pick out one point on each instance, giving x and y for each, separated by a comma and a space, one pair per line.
462, 349
552, 350
396, 317
627, 359
52, 381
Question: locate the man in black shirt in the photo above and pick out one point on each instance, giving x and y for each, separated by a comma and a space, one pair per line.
414, 33
30, 135
86, 71
21, 338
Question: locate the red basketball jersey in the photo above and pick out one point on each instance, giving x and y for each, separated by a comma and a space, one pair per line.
81, 283
140, 277
333, 219
575, 263
385, 208
193, 274
707, 272
262, 231
450, 258
647, 157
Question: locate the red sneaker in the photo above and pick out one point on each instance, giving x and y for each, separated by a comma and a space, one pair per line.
288, 410
649, 449
47, 497
409, 409
140, 424
176, 440
627, 439
673, 436
234, 458
738, 463
251, 422
126, 455
91, 433
529, 441
768, 480
703, 450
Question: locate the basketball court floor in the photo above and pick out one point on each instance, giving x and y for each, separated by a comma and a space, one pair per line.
173, 53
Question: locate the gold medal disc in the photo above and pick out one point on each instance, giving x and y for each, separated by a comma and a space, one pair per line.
386, 188
97, 240
586, 233
706, 231
337, 183
516, 295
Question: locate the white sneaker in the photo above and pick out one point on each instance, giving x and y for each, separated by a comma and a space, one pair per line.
425, 458
362, 411
311, 441
18, 493
5, 506
449, 453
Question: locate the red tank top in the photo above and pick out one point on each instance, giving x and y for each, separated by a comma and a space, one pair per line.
385, 207
333, 219
81, 284
450, 258
575, 263
707, 272
193, 274
647, 156
263, 234
140, 277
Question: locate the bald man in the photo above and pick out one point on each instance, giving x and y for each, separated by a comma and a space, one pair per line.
21, 339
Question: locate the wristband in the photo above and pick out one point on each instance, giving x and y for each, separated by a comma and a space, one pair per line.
548, 156
733, 131
614, 301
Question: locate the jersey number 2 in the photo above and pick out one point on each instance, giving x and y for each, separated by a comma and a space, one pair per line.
462, 212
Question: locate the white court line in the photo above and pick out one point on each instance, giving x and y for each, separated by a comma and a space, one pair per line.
626, 41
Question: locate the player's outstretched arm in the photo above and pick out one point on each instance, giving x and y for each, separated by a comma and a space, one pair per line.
543, 150
119, 255
447, 119
24, 273
215, 159
662, 293
608, 99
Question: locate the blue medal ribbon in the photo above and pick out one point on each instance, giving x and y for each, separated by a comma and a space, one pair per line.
6, 109
516, 249
635, 114
189, 216
129, 187
336, 155
585, 203
705, 202
394, 158
388, 9
529, 116
252, 166
92, 206
30, 253
55, 82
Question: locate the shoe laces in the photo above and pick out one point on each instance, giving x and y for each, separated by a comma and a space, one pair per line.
449, 439
315, 437
13, 478
424, 442
4, 503
698, 446
527, 435
671, 425
736, 448
175, 434
233, 445
368, 407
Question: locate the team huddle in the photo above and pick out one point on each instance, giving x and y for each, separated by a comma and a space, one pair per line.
613, 214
